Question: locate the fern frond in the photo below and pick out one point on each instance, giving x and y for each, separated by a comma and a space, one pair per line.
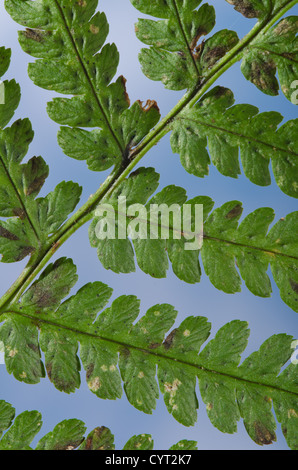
175, 56
113, 339
10, 88
274, 51
227, 128
30, 219
227, 245
66, 38
117, 348
67, 435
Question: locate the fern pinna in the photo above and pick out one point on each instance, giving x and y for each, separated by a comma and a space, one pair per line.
67, 435
45, 332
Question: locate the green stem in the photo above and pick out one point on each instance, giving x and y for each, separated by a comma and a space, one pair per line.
84, 214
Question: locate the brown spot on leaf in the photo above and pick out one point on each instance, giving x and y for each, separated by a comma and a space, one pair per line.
235, 212
35, 185
148, 105
154, 345
193, 45
25, 252
287, 55
89, 371
283, 27
169, 339
213, 55
123, 80
38, 180
33, 347
18, 212
33, 34
95, 437
69, 445
259, 72
263, 436
49, 369
294, 285
199, 50
6, 234
43, 297
221, 91
125, 352
245, 8
89, 444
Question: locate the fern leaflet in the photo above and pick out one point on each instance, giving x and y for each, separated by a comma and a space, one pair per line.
30, 220
225, 242
229, 128
113, 340
67, 435
74, 34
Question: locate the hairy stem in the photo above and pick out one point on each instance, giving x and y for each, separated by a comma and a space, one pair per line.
84, 214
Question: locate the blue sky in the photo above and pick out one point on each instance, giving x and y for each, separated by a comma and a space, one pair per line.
265, 316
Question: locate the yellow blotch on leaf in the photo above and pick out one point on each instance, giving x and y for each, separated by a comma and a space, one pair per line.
94, 29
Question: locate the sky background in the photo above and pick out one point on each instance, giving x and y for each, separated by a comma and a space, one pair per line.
265, 316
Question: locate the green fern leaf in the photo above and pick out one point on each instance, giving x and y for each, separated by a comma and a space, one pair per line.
7, 413
67, 435
20, 435
184, 445
115, 348
5, 55
229, 128
175, 57
227, 245
141, 442
118, 254
10, 91
276, 50
30, 220
66, 39
22, 336
99, 439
